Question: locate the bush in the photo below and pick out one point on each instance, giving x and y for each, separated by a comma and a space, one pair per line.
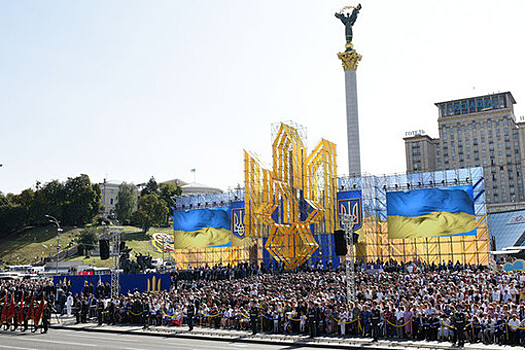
87, 240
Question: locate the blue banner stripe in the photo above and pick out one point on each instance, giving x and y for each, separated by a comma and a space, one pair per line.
193, 220
425, 201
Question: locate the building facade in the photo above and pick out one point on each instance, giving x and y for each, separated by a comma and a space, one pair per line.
110, 190
476, 132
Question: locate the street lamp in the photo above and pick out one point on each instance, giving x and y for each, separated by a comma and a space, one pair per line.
54, 220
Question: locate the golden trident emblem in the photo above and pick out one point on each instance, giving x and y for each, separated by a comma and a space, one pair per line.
154, 284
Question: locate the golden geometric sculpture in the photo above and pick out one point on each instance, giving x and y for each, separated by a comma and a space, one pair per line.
283, 203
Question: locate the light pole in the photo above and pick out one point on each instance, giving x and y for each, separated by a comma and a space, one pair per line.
347, 221
54, 220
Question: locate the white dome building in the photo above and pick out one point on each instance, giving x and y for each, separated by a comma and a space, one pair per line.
194, 189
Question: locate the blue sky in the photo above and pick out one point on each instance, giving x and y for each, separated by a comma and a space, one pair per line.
132, 89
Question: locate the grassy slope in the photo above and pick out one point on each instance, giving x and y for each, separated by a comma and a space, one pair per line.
28, 246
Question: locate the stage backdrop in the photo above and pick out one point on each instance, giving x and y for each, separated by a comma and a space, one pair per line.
154, 282
433, 212
204, 228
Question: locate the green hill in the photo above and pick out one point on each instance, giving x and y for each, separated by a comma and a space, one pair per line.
31, 245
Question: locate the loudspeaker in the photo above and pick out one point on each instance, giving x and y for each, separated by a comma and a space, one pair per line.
340, 243
104, 249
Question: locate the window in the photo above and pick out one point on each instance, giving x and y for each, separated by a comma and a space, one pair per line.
111, 201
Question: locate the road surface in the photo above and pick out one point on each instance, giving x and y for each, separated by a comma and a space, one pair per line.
66, 339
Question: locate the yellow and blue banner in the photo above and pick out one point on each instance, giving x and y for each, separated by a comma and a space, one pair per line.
433, 212
203, 228
350, 202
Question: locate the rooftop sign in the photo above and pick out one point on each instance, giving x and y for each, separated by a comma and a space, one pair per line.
414, 133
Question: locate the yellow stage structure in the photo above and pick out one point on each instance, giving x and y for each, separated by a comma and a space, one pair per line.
287, 209
374, 245
294, 199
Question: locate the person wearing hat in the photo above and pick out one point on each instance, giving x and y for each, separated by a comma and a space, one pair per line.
69, 303
375, 319
459, 321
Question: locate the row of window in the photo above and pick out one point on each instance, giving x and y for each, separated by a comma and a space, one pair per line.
488, 123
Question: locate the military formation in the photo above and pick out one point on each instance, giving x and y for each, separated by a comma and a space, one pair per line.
25, 306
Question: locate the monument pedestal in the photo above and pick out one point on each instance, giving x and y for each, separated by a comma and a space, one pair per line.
350, 59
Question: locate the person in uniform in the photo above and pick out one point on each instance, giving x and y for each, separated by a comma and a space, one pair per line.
111, 310
77, 307
84, 310
190, 313
375, 319
25, 312
458, 321
100, 312
46, 316
254, 316
145, 313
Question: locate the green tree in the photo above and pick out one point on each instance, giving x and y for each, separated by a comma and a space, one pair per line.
13, 217
125, 202
82, 200
150, 187
3, 199
47, 200
151, 211
168, 192
87, 240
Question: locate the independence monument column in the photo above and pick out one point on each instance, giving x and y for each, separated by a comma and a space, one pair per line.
350, 58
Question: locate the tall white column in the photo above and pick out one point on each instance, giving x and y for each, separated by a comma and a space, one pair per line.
350, 58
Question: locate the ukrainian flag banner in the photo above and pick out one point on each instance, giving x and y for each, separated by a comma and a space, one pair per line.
431, 212
202, 228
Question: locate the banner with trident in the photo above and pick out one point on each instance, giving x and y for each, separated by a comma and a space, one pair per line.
350, 207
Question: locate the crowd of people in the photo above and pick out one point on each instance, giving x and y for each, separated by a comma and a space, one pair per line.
411, 301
